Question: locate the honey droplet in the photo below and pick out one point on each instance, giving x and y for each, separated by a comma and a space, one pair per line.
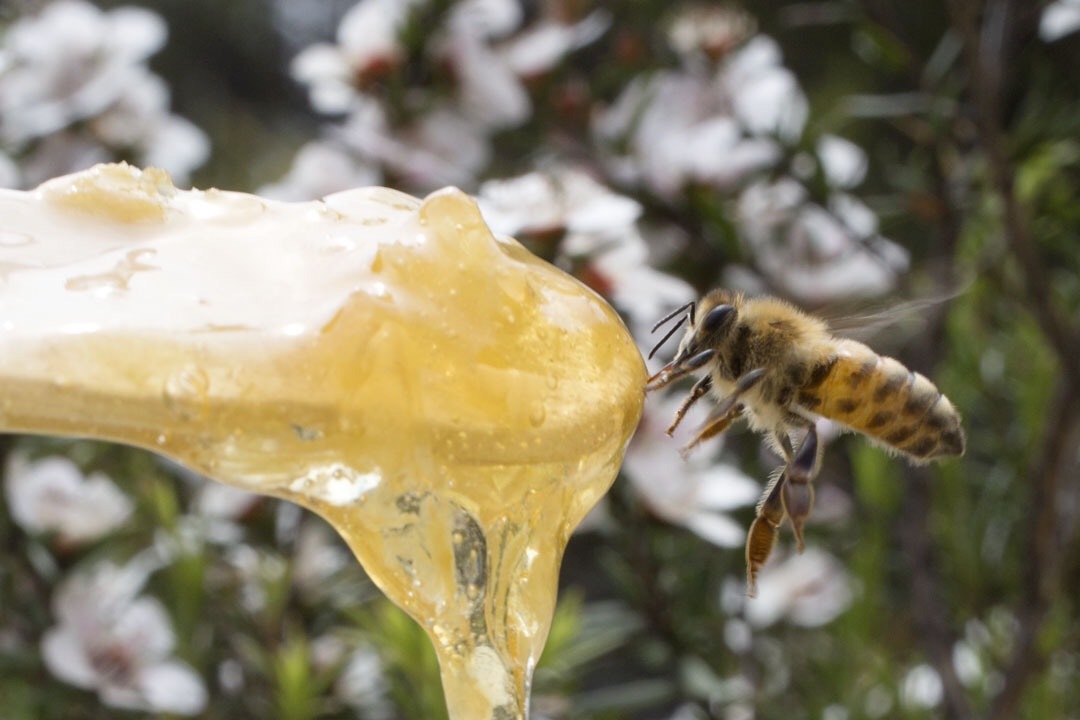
538, 415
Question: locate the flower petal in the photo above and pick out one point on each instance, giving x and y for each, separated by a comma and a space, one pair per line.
718, 529
172, 687
1059, 19
726, 487
135, 33
65, 656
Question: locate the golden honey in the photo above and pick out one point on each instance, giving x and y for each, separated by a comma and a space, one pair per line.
450, 403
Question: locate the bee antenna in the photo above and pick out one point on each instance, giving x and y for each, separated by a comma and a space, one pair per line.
670, 332
688, 307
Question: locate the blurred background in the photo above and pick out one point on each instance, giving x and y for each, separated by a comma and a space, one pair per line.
909, 170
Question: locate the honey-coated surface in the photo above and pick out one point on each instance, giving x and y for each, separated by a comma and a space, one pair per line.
451, 404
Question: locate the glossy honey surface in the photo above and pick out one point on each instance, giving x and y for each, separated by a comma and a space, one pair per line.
450, 403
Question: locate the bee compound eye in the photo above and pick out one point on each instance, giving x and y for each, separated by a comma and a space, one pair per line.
717, 318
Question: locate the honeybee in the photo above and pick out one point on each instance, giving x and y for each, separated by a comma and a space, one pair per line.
782, 369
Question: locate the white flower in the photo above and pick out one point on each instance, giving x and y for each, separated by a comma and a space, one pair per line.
61, 153
544, 44
489, 93
922, 687
563, 199
71, 62
173, 144
368, 45
327, 652
814, 254
443, 139
322, 168
53, 495
594, 226
722, 138
689, 711
968, 664
439, 148
258, 571
224, 501
326, 72
532, 203
9, 172
490, 62
363, 686
140, 120
74, 64
487, 19
766, 96
1059, 19
623, 274
653, 116
842, 161
318, 556
109, 640
709, 30
696, 492
213, 500
718, 127
810, 589
443, 147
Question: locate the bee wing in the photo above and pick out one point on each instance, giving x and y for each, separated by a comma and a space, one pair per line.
887, 323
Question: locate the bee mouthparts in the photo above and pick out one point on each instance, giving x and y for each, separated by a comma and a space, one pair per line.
660, 379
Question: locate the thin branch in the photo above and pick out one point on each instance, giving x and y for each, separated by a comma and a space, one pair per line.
931, 615
989, 51
929, 610
1042, 576
986, 68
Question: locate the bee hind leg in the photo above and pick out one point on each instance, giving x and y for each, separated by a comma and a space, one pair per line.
797, 491
766, 526
790, 494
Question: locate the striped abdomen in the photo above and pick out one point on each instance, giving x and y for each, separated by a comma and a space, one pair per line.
881, 398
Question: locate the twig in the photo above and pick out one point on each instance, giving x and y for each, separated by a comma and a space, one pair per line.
1042, 576
988, 52
929, 610
986, 69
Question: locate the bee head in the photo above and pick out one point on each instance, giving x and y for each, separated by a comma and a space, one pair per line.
710, 325
709, 330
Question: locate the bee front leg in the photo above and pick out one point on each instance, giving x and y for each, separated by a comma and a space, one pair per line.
797, 490
700, 389
763, 532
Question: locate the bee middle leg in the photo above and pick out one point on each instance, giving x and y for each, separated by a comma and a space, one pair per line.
715, 425
725, 413
789, 495
797, 489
